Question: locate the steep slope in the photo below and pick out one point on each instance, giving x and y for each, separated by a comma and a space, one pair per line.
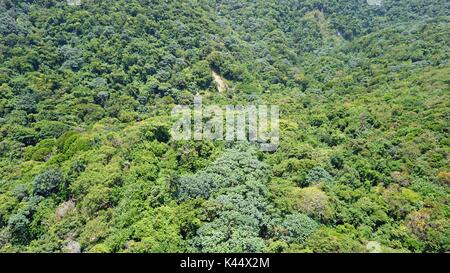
87, 163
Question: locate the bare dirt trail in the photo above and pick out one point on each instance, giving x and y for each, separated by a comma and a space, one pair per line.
220, 83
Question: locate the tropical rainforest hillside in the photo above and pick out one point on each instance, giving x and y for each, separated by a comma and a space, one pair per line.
87, 162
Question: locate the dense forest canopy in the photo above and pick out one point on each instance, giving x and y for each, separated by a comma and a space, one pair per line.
87, 163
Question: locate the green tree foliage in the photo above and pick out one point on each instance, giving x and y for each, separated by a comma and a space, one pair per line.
19, 227
295, 228
87, 162
231, 169
48, 183
237, 204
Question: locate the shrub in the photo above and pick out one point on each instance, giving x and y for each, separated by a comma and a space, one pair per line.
19, 227
312, 201
47, 183
317, 175
296, 228
51, 129
41, 154
326, 240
